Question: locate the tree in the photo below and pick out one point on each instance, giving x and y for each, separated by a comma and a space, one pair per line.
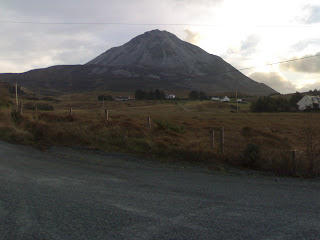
140, 94
194, 95
158, 94
151, 95
269, 104
105, 98
295, 98
202, 95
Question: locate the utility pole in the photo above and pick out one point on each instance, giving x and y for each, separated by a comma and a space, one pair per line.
17, 103
237, 100
103, 103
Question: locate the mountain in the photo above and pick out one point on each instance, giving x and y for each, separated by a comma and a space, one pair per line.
155, 59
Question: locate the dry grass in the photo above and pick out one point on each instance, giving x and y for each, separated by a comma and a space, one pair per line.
180, 131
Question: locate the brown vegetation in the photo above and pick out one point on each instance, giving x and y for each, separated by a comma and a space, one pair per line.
180, 131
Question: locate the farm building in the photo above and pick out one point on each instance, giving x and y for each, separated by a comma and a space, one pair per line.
215, 99
225, 99
308, 102
122, 98
170, 96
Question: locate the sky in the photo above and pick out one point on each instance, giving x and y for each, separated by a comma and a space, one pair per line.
247, 33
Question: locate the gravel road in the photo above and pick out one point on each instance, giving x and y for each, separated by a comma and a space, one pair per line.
75, 194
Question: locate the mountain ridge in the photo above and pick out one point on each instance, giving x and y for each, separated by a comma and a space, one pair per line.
155, 59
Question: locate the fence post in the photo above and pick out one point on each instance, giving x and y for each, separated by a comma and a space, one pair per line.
70, 111
21, 108
212, 139
222, 140
293, 161
17, 103
106, 113
149, 122
36, 111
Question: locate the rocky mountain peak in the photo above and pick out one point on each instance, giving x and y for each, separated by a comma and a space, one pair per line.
156, 49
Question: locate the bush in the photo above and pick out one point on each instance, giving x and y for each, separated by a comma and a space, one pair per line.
194, 95
40, 106
165, 125
251, 154
151, 95
17, 118
105, 98
270, 104
5, 103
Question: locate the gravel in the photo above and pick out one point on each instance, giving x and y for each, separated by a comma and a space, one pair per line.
70, 194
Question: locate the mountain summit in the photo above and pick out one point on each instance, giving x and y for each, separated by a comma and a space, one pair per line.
155, 59
159, 50
169, 62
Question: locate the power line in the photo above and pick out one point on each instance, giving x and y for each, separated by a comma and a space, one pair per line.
108, 23
144, 24
270, 64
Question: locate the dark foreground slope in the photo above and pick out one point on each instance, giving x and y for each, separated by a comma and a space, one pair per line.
155, 59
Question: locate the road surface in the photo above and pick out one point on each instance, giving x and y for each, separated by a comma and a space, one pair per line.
75, 194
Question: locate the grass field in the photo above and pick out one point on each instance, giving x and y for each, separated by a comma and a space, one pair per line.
181, 130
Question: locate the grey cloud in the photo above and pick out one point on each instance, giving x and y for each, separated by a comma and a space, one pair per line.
41, 45
275, 81
73, 9
301, 45
192, 37
313, 14
198, 2
312, 86
310, 65
248, 46
105, 10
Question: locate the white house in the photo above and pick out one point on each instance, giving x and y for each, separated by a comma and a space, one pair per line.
215, 99
122, 98
170, 96
308, 101
225, 99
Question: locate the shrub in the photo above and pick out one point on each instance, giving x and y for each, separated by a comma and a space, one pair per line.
4, 103
40, 106
247, 132
251, 154
17, 118
166, 125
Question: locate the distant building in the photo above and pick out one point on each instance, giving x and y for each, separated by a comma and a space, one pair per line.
215, 99
308, 102
170, 96
225, 99
122, 98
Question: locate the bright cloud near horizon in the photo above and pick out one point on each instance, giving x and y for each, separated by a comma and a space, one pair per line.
244, 33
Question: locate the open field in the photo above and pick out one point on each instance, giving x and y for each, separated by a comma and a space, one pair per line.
180, 130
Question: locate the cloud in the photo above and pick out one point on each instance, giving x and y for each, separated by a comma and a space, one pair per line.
274, 80
40, 45
249, 45
312, 14
192, 37
192, 3
305, 44
311, 64
315, 85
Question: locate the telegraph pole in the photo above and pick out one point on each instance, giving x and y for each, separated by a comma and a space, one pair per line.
17, 103
237, 100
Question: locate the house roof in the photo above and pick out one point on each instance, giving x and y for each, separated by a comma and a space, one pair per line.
314, 99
